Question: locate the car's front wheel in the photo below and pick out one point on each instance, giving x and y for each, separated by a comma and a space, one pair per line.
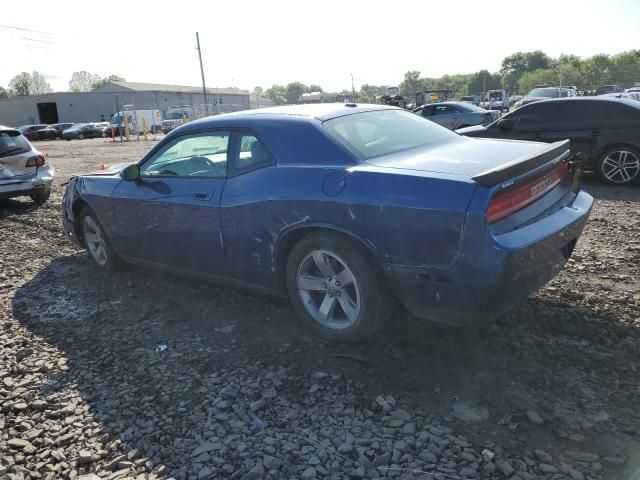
336, 288
96, 241
620, 165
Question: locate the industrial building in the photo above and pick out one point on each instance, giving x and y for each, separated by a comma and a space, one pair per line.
100, 104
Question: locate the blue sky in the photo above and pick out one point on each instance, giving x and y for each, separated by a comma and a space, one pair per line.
248, 43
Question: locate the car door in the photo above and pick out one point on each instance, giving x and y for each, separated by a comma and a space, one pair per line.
445, 115
246, 208
578, 121
170, 215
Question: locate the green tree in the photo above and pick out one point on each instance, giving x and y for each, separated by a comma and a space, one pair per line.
111, 78
39, 84
369, 93
83, 81
277, 94
517, 64
482, 81
258, 91
411, 83
315, 88
294, 90
20, 85
3, 93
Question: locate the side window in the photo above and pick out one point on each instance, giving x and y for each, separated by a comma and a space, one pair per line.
427, 111
443, 110
418, 111
197, 155
530, 117
251, 155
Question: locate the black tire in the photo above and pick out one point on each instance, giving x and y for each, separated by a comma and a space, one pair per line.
375, 303
81, 136
112, 261
41, 197
606, 165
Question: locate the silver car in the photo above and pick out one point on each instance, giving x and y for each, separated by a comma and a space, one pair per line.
23, 169
454, 115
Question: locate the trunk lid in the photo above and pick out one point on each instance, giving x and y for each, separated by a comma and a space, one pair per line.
463, 156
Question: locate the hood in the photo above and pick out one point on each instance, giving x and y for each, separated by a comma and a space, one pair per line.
462, 156
474, 128
111, 170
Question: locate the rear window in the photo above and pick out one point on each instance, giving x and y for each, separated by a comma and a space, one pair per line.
12, 143
543, 92
383, 132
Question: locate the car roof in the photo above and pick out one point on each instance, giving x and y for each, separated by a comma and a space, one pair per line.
602, 98
318, 111
4, 128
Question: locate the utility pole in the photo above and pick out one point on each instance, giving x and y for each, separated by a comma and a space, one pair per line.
204, 88
353, 89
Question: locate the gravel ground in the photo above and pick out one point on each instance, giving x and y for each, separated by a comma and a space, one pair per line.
140, 375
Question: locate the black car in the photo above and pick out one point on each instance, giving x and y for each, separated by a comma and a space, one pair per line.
30, 131
83, 130
61, 127
606, 129
46, 133
609, 89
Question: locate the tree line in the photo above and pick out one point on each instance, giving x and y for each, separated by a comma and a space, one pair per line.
519, 73
35, 83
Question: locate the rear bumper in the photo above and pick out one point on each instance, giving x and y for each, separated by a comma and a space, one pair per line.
25, 186
486, 282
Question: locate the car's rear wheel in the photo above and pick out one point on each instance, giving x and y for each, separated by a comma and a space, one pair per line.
620, 165
336, 288
96, 242
81, 136
41, 197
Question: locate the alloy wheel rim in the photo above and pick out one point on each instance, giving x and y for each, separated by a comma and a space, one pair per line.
621, 166
328, 289
95, 241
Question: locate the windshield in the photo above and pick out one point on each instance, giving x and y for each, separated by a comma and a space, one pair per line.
544, 92
495, 95
383, 132
12, 143
78, 126
468, 99
393, 91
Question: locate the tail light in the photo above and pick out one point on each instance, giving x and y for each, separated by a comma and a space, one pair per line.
36, 161
519, 196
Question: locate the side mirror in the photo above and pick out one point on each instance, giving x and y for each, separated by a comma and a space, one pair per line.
131, 173
505, 124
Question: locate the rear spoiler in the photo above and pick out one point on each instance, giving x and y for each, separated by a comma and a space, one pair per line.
523, 164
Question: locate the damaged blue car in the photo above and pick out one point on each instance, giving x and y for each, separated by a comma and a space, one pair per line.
348, 209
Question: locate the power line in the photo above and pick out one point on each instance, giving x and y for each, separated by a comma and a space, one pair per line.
10, 27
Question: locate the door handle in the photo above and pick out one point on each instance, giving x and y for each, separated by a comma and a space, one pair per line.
203, 195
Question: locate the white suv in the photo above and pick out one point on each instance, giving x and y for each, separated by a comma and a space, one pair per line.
23, 169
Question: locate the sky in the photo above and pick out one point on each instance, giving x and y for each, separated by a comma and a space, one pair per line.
247, 43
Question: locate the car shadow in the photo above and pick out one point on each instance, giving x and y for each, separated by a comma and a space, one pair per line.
602, 191
13, 206
112, 328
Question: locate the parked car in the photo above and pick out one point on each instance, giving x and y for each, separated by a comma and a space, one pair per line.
29, 131
61, 127
604, 128
168, 125
334, 205
105, 128
23, 169
633, 89
546, 93
514, 99
46, 133
83, 130
495, 99
609, 89
472, 99
455, 115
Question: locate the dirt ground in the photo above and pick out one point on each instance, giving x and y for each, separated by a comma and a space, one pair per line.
243, 391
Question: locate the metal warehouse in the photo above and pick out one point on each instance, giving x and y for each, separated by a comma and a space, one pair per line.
103, 102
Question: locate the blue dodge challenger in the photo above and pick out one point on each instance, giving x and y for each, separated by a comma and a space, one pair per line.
346, 208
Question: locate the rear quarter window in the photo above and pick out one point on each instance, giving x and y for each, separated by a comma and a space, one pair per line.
12, 143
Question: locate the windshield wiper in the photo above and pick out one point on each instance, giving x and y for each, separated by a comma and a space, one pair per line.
15, 149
